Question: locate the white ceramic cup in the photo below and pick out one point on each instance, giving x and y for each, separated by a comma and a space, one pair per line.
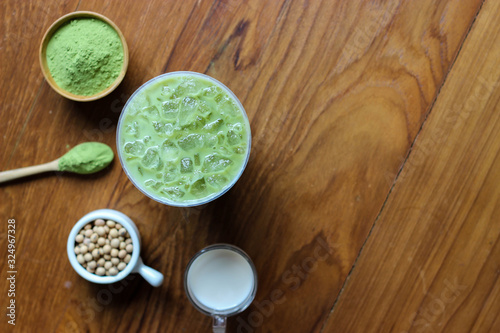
135, 265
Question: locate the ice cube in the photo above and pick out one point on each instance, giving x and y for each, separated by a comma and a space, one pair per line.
215, 162
171, 171
219, 98
191, 141
212, 91
228, 106
153, 184
197, 174
170, 109
187, 111
211, 140
238, 127
133, 129
179, 91
168, 146
169, 150
151, 159
186, 165
198, 187
166, 91
221, 138
214, 126
204, 107
223, 151
189, 86
233, 138
197, 123
173, 191
168, 129
217, 181
170, 177
150, 111
158, 126
171, 166
240, 149
136, 148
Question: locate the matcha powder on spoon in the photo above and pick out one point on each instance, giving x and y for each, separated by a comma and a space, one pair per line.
85, 56
85, 158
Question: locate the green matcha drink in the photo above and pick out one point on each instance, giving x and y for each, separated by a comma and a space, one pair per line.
183, 139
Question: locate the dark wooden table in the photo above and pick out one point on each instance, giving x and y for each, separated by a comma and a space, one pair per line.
371, 200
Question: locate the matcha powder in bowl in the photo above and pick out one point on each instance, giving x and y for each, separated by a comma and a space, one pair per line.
85, 55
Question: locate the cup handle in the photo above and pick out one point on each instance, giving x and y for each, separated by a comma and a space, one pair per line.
154, 277
219, 325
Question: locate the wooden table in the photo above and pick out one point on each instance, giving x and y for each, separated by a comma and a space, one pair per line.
371, 200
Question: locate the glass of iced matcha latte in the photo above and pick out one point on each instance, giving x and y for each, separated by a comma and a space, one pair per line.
183, 139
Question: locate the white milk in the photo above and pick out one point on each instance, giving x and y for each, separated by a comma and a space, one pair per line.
220, 279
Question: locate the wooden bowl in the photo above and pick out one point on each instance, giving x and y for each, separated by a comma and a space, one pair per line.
43, 56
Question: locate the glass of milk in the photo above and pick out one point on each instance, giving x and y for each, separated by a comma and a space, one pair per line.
221, 281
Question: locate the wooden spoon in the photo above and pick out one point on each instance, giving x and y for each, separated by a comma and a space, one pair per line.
85, 158
28, 171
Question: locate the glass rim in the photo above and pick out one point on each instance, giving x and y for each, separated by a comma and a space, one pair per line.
231, 311
189, 203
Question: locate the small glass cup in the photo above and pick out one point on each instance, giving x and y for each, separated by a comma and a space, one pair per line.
223, 274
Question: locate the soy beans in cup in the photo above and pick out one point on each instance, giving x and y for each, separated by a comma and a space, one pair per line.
103, 247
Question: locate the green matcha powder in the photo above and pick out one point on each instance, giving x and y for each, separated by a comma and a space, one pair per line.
85, 56
85, 158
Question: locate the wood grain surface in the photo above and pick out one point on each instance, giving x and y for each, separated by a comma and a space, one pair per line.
431, 261
338, 94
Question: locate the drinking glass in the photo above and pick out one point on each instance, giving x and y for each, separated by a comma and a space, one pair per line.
223, 274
